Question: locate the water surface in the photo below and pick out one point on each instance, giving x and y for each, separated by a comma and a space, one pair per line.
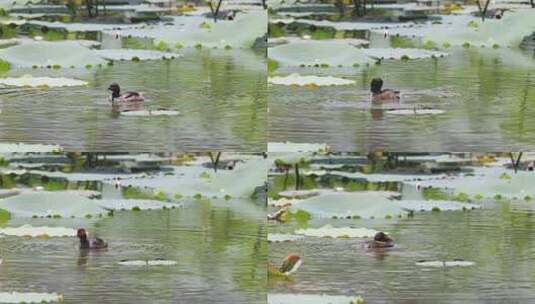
497, 238
488, 97
221, 96
220, 247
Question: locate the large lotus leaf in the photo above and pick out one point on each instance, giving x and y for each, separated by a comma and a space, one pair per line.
64, 204
488, 182
45, 53
365, 204
314, 52
190, 181
461, 29
198, 31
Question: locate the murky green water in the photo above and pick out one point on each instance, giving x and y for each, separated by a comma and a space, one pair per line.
221, 96
497, 238
220, 247
488, 97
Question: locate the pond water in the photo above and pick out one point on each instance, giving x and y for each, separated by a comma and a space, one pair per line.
220, 94
219, 246
487, 96
497, 238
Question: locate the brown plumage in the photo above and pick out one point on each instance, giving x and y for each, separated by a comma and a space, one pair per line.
95, 243
378, 94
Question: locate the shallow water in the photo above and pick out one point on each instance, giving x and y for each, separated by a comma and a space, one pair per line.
488, 96
219, 246
220, 94
497, 238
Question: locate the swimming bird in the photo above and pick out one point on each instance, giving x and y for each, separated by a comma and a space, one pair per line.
290, 264
278, 216
95, 243
128, 97
381, 240
378, 94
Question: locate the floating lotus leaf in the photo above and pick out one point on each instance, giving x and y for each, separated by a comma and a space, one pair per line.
401, 53
290, 147
64, 204
64, 54
365, 204
430, 205
130, 204
28, 148
29, 297
319, 53
332, 232
273, 298
242, 32
128, 54
29, 230
454, 30
276, 237
30, 81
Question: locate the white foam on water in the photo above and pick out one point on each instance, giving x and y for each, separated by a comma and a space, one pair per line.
416, 112
148, 263
445, 263
309, 80
149, 113
332, 232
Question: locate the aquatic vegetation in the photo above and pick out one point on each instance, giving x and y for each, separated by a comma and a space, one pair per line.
4, 215
240, 182
136, 204
398, 54
66, 53
272, 65
299, 194
134, 55
135, 193
30, 81
30, 297
299, 80
31, 231
317, 52
49, 203
473, 23
508, 31
487, 181
366, 204
241, 32
4, 66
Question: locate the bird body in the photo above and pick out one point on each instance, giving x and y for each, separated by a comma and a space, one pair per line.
86, 244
